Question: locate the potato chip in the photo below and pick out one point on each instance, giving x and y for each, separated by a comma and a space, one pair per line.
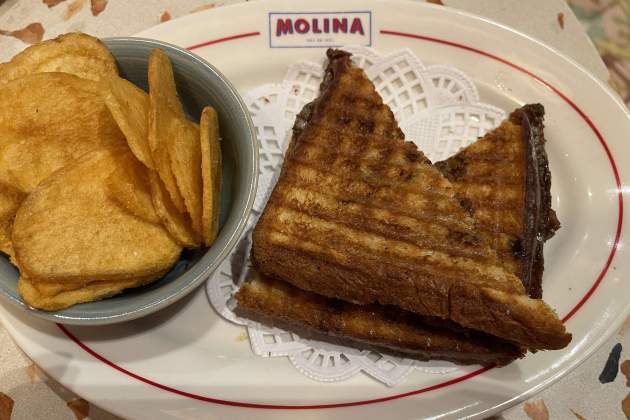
6, 246
162, 82
164, 107
55, 288
74, 53
185, 157
177, 223
165, 172
54, 298
129, 186
46, 121
68, 230
210, 173
129, 106
10, 200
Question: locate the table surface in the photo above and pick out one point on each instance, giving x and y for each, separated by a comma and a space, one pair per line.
27, 393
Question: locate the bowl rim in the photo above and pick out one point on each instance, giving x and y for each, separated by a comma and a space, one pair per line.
208, 267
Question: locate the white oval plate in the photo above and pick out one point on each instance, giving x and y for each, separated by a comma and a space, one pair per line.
186, 362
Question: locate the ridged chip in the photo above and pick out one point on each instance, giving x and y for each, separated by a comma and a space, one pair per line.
69, 230
210, 174
47, 120
129, 186
54, 298
74, 53
129, 106
185, 156
176, 222
164, 107
10, 200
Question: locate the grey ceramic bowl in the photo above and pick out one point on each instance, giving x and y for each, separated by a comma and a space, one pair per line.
198, 84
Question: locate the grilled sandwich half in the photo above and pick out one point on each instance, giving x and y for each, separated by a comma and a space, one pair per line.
491, 179
385, 329
362, 216
503, 180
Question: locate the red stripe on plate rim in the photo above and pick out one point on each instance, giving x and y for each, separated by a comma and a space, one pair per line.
224, 39
440, 385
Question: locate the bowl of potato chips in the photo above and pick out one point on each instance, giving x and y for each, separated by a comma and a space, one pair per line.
128, 170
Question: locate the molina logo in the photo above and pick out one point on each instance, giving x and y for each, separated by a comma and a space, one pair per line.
319, 29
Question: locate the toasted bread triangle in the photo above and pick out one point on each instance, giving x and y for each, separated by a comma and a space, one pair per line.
385, 329
503, 180
361, 215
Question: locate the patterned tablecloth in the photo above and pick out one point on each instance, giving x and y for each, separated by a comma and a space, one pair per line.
587, 393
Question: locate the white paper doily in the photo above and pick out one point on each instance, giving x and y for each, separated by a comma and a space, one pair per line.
437, 107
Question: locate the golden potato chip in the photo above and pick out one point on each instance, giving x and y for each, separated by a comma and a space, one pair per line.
55, 298
46, 121
47, 288
165, 172
164, 107
185, 157
129, 186
177, 223
210, 173
74, 53
162, 82
129, 106
10, 200
6, 245
68, 230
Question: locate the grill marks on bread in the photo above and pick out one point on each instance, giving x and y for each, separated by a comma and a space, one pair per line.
361, 215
